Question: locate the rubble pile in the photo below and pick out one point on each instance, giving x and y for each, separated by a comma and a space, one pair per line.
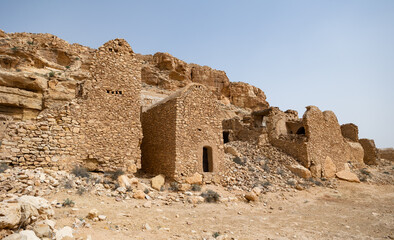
265, 167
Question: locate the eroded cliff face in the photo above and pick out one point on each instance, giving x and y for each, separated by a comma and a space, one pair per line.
39, 71
169, 73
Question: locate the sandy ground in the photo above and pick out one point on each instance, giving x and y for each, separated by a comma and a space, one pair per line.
352, 211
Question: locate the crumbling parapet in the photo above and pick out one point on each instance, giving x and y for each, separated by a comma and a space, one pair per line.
371, 153
350, 131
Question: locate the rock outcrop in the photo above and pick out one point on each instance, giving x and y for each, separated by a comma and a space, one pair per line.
167, 72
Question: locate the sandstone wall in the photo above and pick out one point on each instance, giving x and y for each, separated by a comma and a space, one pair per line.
198, 126
158, 144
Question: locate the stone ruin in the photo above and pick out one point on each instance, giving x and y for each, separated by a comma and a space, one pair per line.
183, 134
63, 105
316, 140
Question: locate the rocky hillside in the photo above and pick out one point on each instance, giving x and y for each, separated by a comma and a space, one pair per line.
39, 71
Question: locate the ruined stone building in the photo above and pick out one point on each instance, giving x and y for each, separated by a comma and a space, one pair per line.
316, 140
99, 127
183, 134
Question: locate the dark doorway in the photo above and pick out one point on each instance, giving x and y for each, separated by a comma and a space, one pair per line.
301, 131
226, 137
207, 159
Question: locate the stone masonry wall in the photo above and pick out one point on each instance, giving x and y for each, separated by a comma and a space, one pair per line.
79, 132
198, 125
158, 144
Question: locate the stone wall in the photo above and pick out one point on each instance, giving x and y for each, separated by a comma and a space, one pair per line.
316, 140
79, 131
158, 144
350, 131
177, 128
198, 125
371, 153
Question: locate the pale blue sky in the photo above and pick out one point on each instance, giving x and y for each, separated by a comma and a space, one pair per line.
335, 54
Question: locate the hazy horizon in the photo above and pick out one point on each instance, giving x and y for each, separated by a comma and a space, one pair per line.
337, 55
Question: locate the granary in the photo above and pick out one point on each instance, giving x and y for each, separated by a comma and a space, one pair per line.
98, 128
183, 134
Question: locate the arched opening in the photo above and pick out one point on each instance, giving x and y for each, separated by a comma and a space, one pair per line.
226, 135
207, 159
301, 131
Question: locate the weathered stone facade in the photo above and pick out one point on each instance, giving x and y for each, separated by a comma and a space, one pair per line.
100, 129
183, 134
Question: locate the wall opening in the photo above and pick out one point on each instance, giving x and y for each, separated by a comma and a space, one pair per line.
226, 135
301, 131
207, 159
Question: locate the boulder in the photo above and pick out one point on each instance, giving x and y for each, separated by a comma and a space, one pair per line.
34, 207
300, 171
347, 176
157, 182
328, 168
139, 194
124, 181
10, 215
64, 233
231, 150
251, 197
92, 214
196, 178
43, 229
23, 235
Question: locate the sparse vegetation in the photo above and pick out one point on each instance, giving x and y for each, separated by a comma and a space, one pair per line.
14, 49
365, 172
81, 191
51, 74
68, 184
68, 203
210, 196
30, 42
280, 171
67, 67
79, 171
115, 174
174, 186
266, 168
3, 167
196, 188
18, 70
146, 191
216, 234
239, 161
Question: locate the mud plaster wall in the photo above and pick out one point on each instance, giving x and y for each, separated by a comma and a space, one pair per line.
103, 128
198, 125
158, 144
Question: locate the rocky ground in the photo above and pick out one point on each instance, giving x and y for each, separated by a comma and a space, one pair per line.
115, 206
